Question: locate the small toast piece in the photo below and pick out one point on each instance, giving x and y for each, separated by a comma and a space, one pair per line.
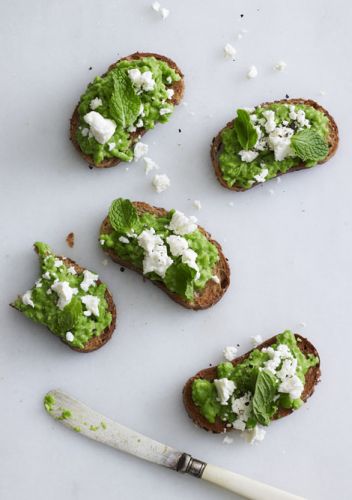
178, 88
209, 295
312, 378
95, 342
333, 140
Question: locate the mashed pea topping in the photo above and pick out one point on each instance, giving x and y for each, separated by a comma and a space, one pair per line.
264, 142
250, 393
134, 94
71, 304
169, 248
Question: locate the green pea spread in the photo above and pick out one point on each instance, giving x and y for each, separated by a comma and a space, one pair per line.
58, 301
184, 273
269, 379
134, 94
267, 141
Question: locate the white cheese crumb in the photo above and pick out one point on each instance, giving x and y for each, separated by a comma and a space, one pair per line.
161, 182
256, 340
197, 204
177, 244
225, 389
140, 150
72, 270
322, 92
170, 93
252, 72
231, 203
256, 434
64, 292
58, 263
164, 12
262, 176
280, 66
156, 6
303, 324
139, 123
181, 224
216, 279
230, 353
89, 279
92, 305
142, 81
149, 165
101, 128
111, 146
49, 291
27, 298
248, 156
102, 242
131, 128
38, 283
292, 386
95, 103
85, 131
189, 257
241, 407
70, 337
156, 258
227, 440
229, 51
169, 80
165, 111
123, 239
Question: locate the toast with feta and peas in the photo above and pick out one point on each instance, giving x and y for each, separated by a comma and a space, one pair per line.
119, 107
273, 139
265, 384
168, 248
70, 301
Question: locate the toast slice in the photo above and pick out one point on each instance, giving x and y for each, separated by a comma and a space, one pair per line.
178, 88
312, 378
95, 342
209, 295
333, 140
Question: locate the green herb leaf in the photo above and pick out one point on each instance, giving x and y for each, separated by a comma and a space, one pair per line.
246, 133
265, 390
70, 314
125, 104
309, 145
179, 278
122, 215
42, 248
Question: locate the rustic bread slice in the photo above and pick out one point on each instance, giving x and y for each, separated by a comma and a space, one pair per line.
95, 342
211, 293
333, 140
178, 88
312, 378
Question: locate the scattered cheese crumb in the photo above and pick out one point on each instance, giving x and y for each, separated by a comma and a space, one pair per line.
256, 434
27, 298
92, 305
161, 10
252, 72
140, 150
280, 66
322, 92
197, 204
95, 103
70, 337
165, 111
229, 51
111, 146
123, 239
149, 165
161, 182
231, 203
89, 279
58, 263
216, 279
227, 440
262, 176
256, 340
104, 262
170, 93
303, 324
230, 352
72, 270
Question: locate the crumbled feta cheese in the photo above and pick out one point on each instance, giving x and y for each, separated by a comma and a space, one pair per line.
189, 258
64, 292
123, 239
280, 66
230, 353
303, 324
156, 258
92, 305
322, 92
256, 340
216, 279
72, 270
170, 93
229, 51
156, 6
58, 263
142, 81
256, 434
161, 182
252, 72
111, 146
239, 425
148, 240
27, 298
241, 407
262, 176
164, 12
197, 204
288, 369
149, 165
131, 128
292, 114
49, 291
177, 245
181, 224
248, 156
279, 141
227, 440
169, 80
140, 150
292, 386
165, 111
38, 283
253, 118
89, 279
139, 123
225, 389
70, 337
270, 123
301, 119
95, 103
101, 128
85, 131
102, 242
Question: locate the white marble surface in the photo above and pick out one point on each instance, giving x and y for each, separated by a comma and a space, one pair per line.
289, 244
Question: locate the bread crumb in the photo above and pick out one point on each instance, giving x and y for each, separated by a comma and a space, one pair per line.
70, 239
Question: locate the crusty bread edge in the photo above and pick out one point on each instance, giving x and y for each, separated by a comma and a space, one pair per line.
95, 342
178, 88
211, 293
333, 138
311, 380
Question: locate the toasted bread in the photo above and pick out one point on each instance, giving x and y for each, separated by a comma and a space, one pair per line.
311, 379
178, 88
95, 342
333, 140
209, 295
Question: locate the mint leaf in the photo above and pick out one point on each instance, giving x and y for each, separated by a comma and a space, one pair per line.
265, 390
179, 278
125, 104
42, 248
70, 314
246, 133
122, 215
309, 145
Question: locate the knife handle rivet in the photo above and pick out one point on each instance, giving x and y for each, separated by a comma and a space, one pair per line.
189, 465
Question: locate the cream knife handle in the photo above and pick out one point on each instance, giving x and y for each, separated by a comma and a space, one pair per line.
248, 488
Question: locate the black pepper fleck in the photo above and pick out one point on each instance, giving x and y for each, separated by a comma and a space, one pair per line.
90, 167
90, 68
242, 15
122, 269
179, 130
287, 96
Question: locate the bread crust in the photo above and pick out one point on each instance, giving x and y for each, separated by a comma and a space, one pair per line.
311, 380
95, 342
211, 293
178, 88
333, 139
